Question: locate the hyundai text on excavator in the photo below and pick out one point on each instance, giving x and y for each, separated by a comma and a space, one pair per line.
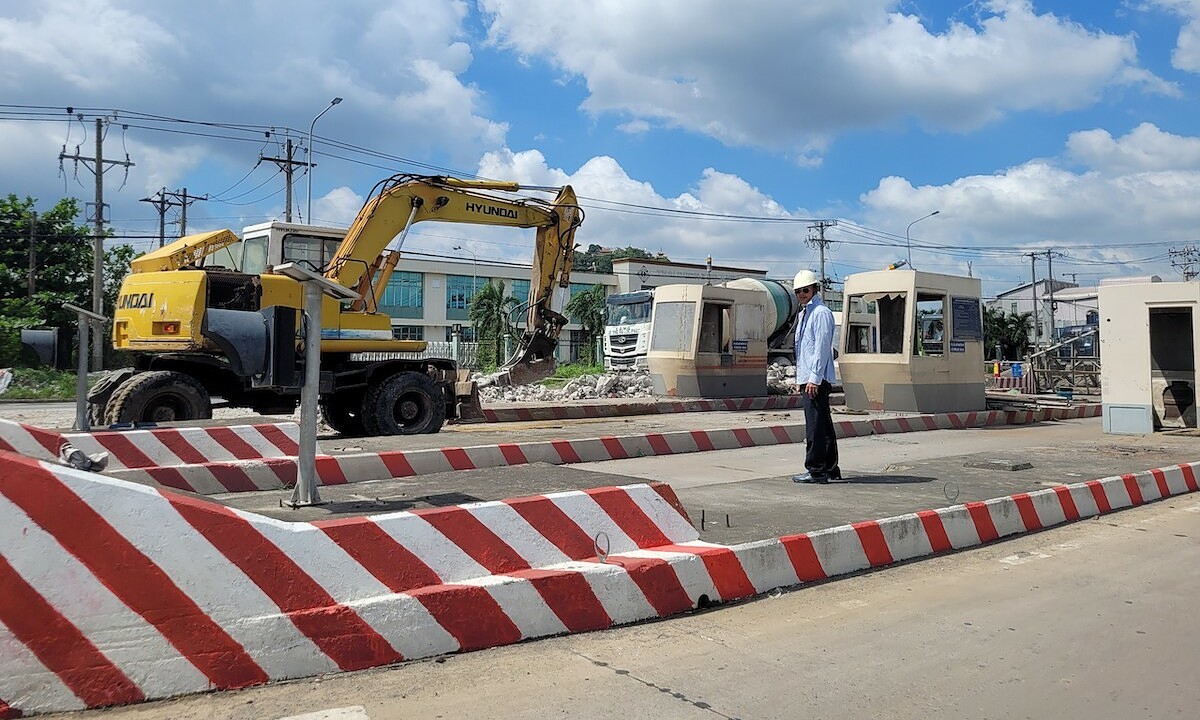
205, 316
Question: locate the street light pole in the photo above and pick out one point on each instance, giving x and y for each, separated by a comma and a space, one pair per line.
908, 238
311, 164
474, 266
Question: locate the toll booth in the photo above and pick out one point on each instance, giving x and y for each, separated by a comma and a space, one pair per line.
1148, 341
912, 341
708, 341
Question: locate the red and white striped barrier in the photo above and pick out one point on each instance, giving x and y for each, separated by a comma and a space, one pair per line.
274, 473
1025, 383
167, 447
647, 407
116, 593
34, 442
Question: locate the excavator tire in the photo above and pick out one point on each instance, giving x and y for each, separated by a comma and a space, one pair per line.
343, 413
407, 403
158, 396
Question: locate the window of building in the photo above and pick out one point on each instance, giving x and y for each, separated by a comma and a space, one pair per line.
467, 334
1013, 307
404, 295
408, 332
518, 289
876, 323
460, 289
930, 324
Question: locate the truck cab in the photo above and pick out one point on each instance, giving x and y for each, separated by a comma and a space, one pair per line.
627, 330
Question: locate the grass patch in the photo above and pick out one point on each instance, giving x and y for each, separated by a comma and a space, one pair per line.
564, 373
40, 384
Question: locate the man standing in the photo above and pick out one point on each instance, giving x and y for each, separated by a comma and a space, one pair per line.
814, 373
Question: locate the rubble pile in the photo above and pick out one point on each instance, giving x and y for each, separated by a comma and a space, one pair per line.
585, 387
780, 379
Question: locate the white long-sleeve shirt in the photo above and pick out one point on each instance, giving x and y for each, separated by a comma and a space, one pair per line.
814, 343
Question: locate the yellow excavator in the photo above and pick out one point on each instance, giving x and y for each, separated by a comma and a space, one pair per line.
206, 315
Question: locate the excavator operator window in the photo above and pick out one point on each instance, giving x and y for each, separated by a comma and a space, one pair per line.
254, 255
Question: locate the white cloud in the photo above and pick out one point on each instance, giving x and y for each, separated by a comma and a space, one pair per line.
1186, 55
1145, 148
782, 74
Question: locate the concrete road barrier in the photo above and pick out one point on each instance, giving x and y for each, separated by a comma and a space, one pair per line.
116, 593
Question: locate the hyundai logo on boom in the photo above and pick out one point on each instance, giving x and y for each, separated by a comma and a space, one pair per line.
491, 210
134, 301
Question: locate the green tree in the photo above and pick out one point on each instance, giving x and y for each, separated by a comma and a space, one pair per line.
598, 260
1009, 331
587, 309
489, 312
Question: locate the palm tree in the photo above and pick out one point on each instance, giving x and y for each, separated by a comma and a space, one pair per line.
1009, 331
488, 313
587, 309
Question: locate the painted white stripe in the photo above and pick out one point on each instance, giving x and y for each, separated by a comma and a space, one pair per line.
407, 626
1085, 502
767, 565
518, 534
420, 538
592, 520
1048, 506
23, 441
522, 603
905, 537
217, 586
620, 596
255, 439
665, 517
839, 550
1006, 516
690, 569
129, 642
26, 684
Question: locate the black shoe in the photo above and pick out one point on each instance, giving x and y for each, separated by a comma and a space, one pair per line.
810, 478
835, 476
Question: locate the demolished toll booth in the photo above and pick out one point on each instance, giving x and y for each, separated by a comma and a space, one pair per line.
912, 341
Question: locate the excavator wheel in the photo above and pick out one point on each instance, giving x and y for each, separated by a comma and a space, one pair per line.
158, 396
343, 413
407, 403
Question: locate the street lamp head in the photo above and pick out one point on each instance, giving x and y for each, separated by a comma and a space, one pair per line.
457, 247
935, 212
335, 101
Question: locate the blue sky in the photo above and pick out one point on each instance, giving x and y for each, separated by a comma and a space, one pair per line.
1027, 124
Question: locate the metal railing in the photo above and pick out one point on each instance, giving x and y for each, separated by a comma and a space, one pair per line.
1072, 364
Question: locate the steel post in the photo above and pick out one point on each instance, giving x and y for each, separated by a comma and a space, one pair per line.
306, 492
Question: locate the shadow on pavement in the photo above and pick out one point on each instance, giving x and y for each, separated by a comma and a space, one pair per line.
884, 480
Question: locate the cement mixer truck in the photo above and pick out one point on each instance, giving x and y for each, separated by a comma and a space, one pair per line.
715, 341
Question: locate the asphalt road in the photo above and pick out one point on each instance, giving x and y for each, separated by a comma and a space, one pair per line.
1089, 621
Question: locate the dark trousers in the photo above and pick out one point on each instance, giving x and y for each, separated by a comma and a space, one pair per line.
820, 436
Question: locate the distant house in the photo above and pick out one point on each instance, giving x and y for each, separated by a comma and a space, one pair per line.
1065, 311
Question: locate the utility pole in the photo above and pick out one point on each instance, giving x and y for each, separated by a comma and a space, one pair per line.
1033, 291
287, 163
32, 250
98, 170
184, 200
1185, 260
1050, 279
821, 243
161, 203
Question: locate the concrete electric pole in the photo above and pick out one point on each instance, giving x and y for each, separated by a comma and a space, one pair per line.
287, 163
821, 243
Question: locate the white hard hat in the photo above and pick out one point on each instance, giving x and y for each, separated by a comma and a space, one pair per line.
804, 278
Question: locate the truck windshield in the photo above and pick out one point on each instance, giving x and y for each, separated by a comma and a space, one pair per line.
627, 314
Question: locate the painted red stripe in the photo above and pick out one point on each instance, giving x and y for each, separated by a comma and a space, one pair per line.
329, 469
566, 451
470, 614
490, 416
336, 629
1160, 478
746, 404
170, 477
1131, 486
234, 443
559, 412
1029, 514
743, 437
174, 441
555, 525
613, 446
629, 517
60, 646
474, 538
804, 557
930, 422
458, 458
123, 450
666, 492
372, 547
935, 530
956, 420
51, 441
658, 444
724, 567
1189, 477
8, 712
905, 426
277, 437
729, 404
658, 582
983, 521
874, 545
703, 442
780, 434
678, 407
513, 455
1070, 511
570, 597
1099, 496
130, 575
397, 464
591, 411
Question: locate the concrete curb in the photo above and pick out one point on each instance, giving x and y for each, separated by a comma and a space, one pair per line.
99, 610
641, 407
275, 473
